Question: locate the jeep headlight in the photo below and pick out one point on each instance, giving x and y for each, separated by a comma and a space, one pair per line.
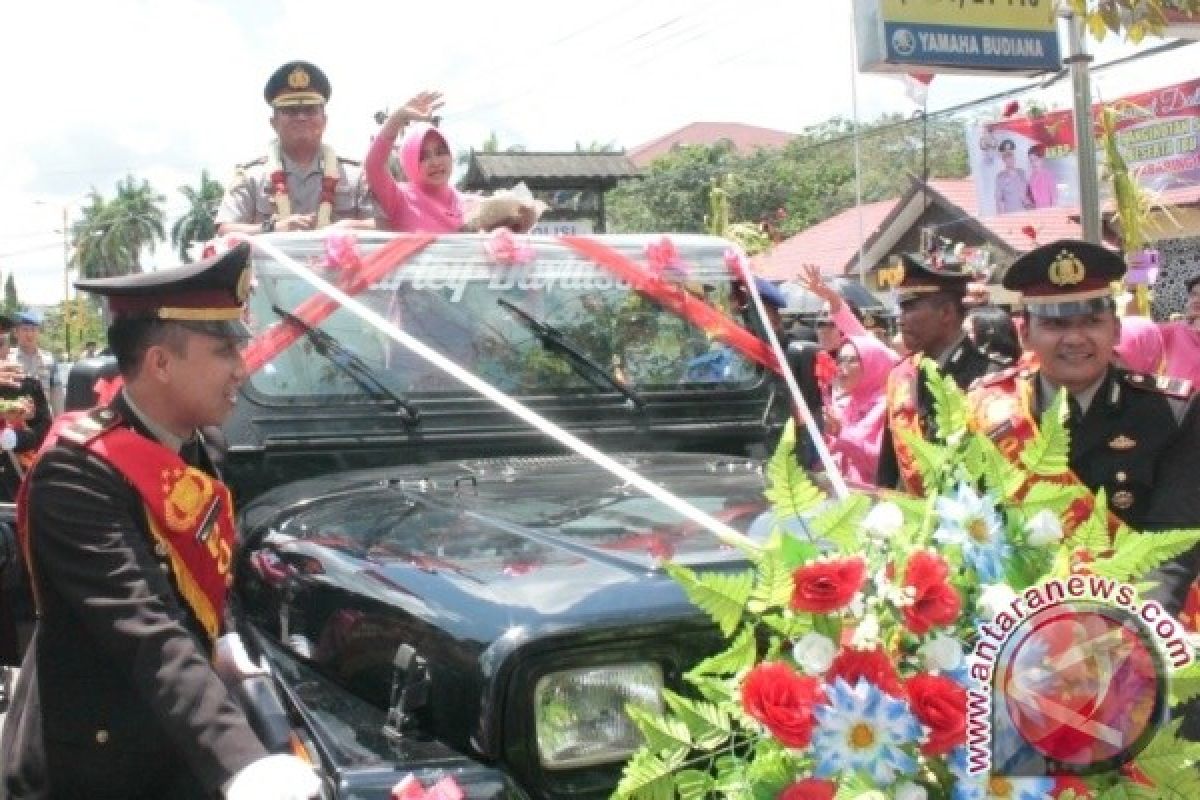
580, 713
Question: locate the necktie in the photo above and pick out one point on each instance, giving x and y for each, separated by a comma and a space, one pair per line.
1074, 414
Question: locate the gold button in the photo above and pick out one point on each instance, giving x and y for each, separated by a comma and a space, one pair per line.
164, 567
101, 736
1122, 477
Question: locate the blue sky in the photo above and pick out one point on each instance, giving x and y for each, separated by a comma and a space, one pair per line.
99, 89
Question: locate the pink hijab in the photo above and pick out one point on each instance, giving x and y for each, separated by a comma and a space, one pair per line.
1141, 347
433, 209
863, 412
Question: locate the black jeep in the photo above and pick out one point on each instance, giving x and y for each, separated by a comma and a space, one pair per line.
442, 588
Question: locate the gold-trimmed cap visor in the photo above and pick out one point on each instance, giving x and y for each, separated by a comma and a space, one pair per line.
213, 290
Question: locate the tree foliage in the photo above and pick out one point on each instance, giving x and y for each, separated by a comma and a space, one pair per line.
198, 223
1134, 18
807, 181
111, 234
11, 301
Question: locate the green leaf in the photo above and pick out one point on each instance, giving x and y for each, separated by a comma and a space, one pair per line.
1166, 756
1136, 554
796, 551
789, 626
774, 586
931, 459
950, 411
661, 732
692, 784
789, 491
713, 689
841, 522
770, 764
649, 776
708, 725
739, 656
722, 596
1048, 452
1052, 496
1092, 533
1185, 683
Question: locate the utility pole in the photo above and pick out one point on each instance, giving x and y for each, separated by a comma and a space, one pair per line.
66, 284
1085, 134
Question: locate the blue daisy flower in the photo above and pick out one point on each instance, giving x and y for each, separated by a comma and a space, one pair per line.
970, 521
862, 729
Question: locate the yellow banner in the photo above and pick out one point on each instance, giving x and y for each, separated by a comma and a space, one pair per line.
1023, 15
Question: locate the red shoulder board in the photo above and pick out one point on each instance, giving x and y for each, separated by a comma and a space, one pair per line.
1161, 384
87, 426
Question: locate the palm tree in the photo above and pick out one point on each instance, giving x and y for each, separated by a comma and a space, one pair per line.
198, 223
137, 219
111, 234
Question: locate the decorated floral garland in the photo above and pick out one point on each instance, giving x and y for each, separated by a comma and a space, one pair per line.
279, 190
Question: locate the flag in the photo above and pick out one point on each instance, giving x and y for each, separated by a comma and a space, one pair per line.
916, 86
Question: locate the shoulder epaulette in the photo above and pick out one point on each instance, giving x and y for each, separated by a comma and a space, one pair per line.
349, 161
1162, 384
996, 358
89, 425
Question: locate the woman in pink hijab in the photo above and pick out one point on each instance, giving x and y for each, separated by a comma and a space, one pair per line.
427, 203
855, 420
1141, 346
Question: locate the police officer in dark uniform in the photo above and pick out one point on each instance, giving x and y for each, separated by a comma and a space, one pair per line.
128, 537
930, 294
21, 433
1134, 435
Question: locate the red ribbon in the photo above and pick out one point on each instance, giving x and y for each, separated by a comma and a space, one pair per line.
675, 299
317, 308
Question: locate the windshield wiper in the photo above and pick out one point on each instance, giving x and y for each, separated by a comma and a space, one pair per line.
587, 367
351, 364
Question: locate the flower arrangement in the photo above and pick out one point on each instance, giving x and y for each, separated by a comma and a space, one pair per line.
849, 659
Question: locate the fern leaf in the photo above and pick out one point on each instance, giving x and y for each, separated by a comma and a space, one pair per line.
931, 459
739, 656
840, 523
722, 596
1049, 451
649, 776
770, 764
1092, 534
1052, 496
707, 725
1166, 755
773, 587
1136, 554
950, 411
660, 731
1185, 683
692, 784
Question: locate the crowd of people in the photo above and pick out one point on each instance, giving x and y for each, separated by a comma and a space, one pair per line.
125, 686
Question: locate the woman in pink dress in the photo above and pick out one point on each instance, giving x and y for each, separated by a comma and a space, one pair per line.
1042, 188
1181, 340
1141, 345
427, 203
854, 421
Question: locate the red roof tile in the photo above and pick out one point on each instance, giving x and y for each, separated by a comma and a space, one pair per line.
745, 138
832, 243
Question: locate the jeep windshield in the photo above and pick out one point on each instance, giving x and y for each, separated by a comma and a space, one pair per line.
457, 298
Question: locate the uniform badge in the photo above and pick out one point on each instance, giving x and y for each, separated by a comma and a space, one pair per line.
1122, 442
186, 494
298, 78
1122, 499
1066, 269
1000, 410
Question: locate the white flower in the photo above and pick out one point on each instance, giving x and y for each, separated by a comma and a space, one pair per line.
995, 598
866, 634
814, 653
942, 653
910, 791
1045, 529
884, 521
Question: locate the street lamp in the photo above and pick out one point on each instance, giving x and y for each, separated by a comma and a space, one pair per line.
66, 240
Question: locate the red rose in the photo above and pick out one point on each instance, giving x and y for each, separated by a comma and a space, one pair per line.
935, 601
809, 789
941, 705
1011, 108
873, 665
824, 586
783, 700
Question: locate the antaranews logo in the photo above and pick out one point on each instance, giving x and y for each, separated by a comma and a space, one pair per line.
1070, 677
